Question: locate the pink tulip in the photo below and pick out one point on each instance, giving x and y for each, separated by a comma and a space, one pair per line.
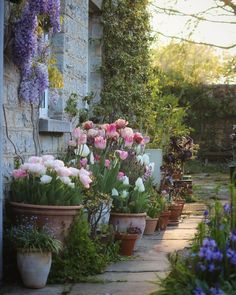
63, 171
127, 132
76, 133
84, 162
120, 175
138, 138
84, 177
121, 123
92, 133
100, 143
88, 125
19, 173
122, 154
107, 163
129, 141
72, 143
82, 139
104, 126
97, 158
111, 130
35, 160
101, 132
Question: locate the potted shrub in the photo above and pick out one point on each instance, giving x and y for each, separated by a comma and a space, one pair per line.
164, 215
127, 240
34, 253
46, 188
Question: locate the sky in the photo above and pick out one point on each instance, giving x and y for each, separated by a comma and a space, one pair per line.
220, 34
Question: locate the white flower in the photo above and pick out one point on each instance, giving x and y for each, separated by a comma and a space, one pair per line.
35, 168
83, 150
65, 180
58, 163
114, 192
126, 180
48, 158
35, 160
146, 159
139, 185
45, 179
74, 171
91, 160
140, 159
72, 185
124, 194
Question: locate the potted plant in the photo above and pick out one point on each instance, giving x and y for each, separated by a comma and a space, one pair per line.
34, 253
127, 240
175, 213
164, 215
46, 188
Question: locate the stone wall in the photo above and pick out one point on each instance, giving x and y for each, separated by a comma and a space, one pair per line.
70, 48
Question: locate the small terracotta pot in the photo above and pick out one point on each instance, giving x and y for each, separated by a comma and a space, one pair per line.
181, 202
175, 214
57, 218
122, 221
127, 243
163, 220
151, 224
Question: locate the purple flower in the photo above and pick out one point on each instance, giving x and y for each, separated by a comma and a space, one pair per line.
211, 267
216, 291
199, 291
227, 208
206, 213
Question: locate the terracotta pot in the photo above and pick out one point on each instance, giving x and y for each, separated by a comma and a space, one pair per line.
34, 268
151, 224
127, 243
122, 221
163, 220
56, 218
181, 202
175, 214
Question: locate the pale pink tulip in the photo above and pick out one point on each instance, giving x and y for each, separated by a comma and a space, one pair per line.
63, 171
84, 162
35, 168
146, 139
82, 139
122, 154
92, 133
19, 173
127, 132
107, 163
76, 133
121, 123
48, 158
101, 132
129, 141
84, 177
35, 160
88, 125
100, 142
120, 175
74, 171
104, 126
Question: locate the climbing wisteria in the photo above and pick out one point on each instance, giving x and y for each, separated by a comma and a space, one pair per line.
30, 48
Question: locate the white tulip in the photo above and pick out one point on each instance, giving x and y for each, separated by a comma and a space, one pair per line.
126, 180
114, 192
65, 180
91, 160
139, 185
45, 179
82, 151
146, 159
124, 194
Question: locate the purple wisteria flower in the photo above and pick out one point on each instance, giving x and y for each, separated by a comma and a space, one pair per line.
216, 291
227, 208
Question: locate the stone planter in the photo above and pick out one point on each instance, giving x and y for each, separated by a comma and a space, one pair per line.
175, 214
122, 221
57, 218
127, 242
151, 224
163, 220
34, 268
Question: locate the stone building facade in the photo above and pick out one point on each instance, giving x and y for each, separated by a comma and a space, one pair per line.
78, 51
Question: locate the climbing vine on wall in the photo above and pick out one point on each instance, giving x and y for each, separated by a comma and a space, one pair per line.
125, 60
32, 22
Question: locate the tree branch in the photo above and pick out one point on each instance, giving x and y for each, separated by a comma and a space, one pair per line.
195, 42
230, 4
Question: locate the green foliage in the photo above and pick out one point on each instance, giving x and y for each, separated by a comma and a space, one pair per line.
28, 238
71, 105
81, 256
126, 64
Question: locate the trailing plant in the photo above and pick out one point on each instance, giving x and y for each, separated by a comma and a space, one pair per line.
125, 68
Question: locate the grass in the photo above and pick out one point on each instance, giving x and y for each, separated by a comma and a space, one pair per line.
196, 167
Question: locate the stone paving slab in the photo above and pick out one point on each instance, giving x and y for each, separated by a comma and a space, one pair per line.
49, 290
121, 288
131, 277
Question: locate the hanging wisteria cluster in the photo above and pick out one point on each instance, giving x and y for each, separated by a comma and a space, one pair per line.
30, 48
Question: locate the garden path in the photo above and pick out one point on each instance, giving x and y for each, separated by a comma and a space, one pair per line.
134, 276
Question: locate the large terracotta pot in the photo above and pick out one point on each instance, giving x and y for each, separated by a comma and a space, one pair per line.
127, 243
175, 214
151, 224
163, 220
57, 218
122, 221
181, 202
34, 268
